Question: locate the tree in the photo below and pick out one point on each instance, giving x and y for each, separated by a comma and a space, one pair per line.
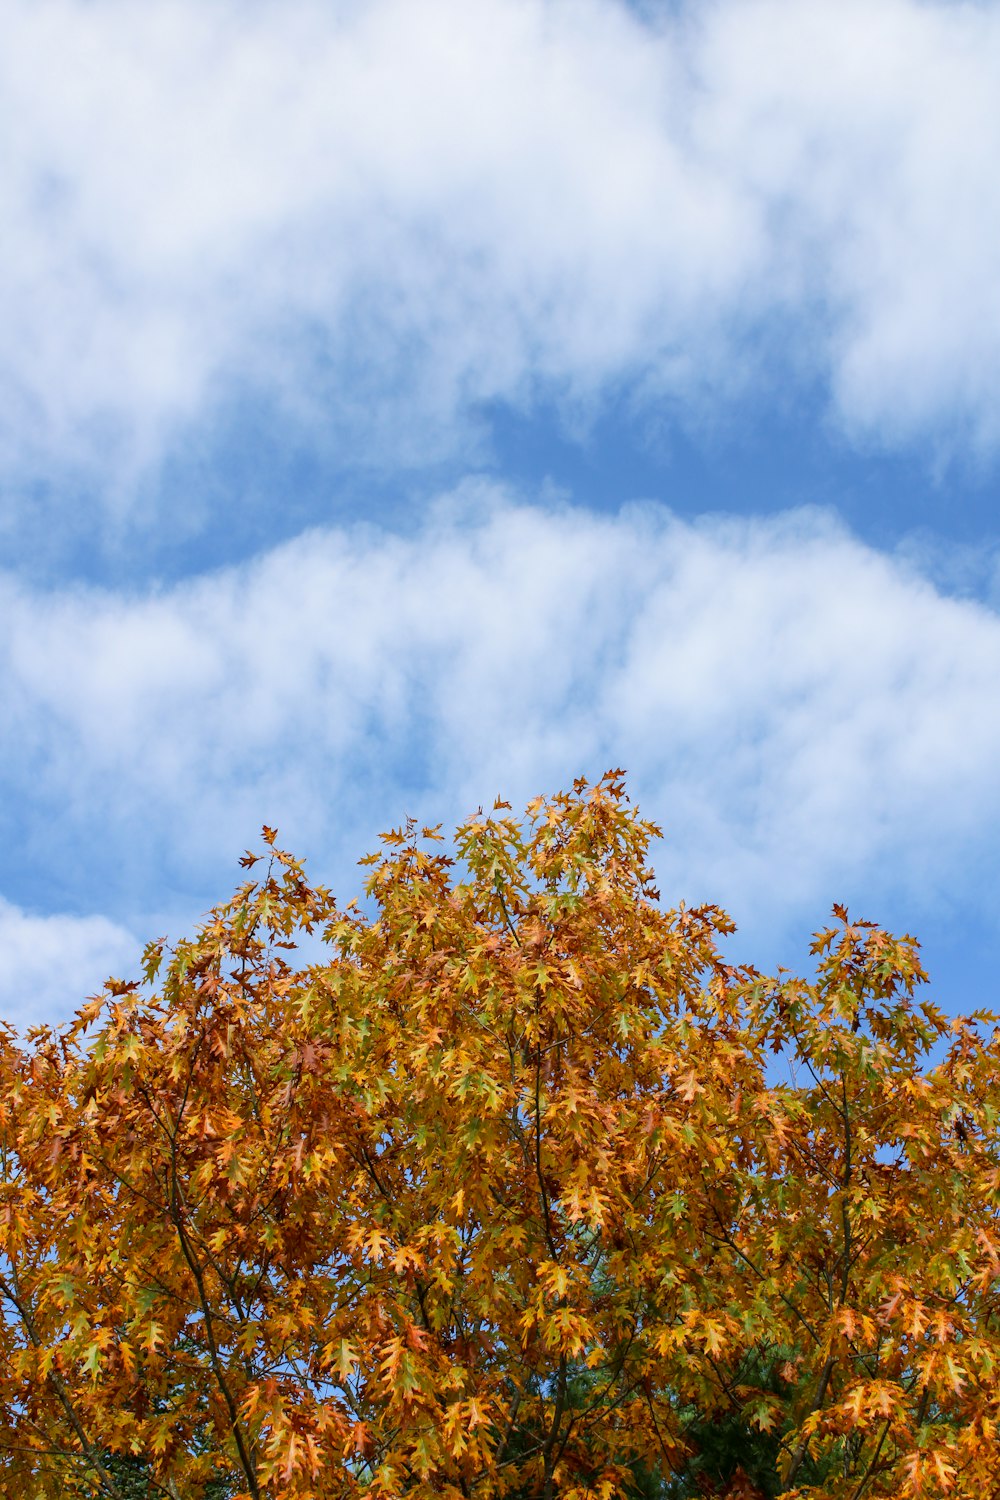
500, 1198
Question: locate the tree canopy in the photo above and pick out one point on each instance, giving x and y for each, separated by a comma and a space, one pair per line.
519, 1189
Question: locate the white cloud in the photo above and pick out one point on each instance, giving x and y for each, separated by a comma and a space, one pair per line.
808, 717
381, 214
49, 965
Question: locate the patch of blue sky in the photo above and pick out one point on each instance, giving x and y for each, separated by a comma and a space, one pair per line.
752, 460
253, 475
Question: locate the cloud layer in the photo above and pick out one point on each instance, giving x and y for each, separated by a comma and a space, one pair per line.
809, 718
379, 216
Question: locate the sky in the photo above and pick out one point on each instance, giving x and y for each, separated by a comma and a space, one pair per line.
408, 404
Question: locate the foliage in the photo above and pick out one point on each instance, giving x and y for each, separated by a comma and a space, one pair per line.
500, 1198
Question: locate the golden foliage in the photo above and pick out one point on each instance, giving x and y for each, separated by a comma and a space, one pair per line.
499, 1195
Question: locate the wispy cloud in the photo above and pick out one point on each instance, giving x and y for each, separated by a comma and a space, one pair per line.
804, 714
50, 964
380, 216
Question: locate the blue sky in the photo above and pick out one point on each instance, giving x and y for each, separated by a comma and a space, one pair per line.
404, 404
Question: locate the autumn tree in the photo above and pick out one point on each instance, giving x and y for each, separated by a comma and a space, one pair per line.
521, 1190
